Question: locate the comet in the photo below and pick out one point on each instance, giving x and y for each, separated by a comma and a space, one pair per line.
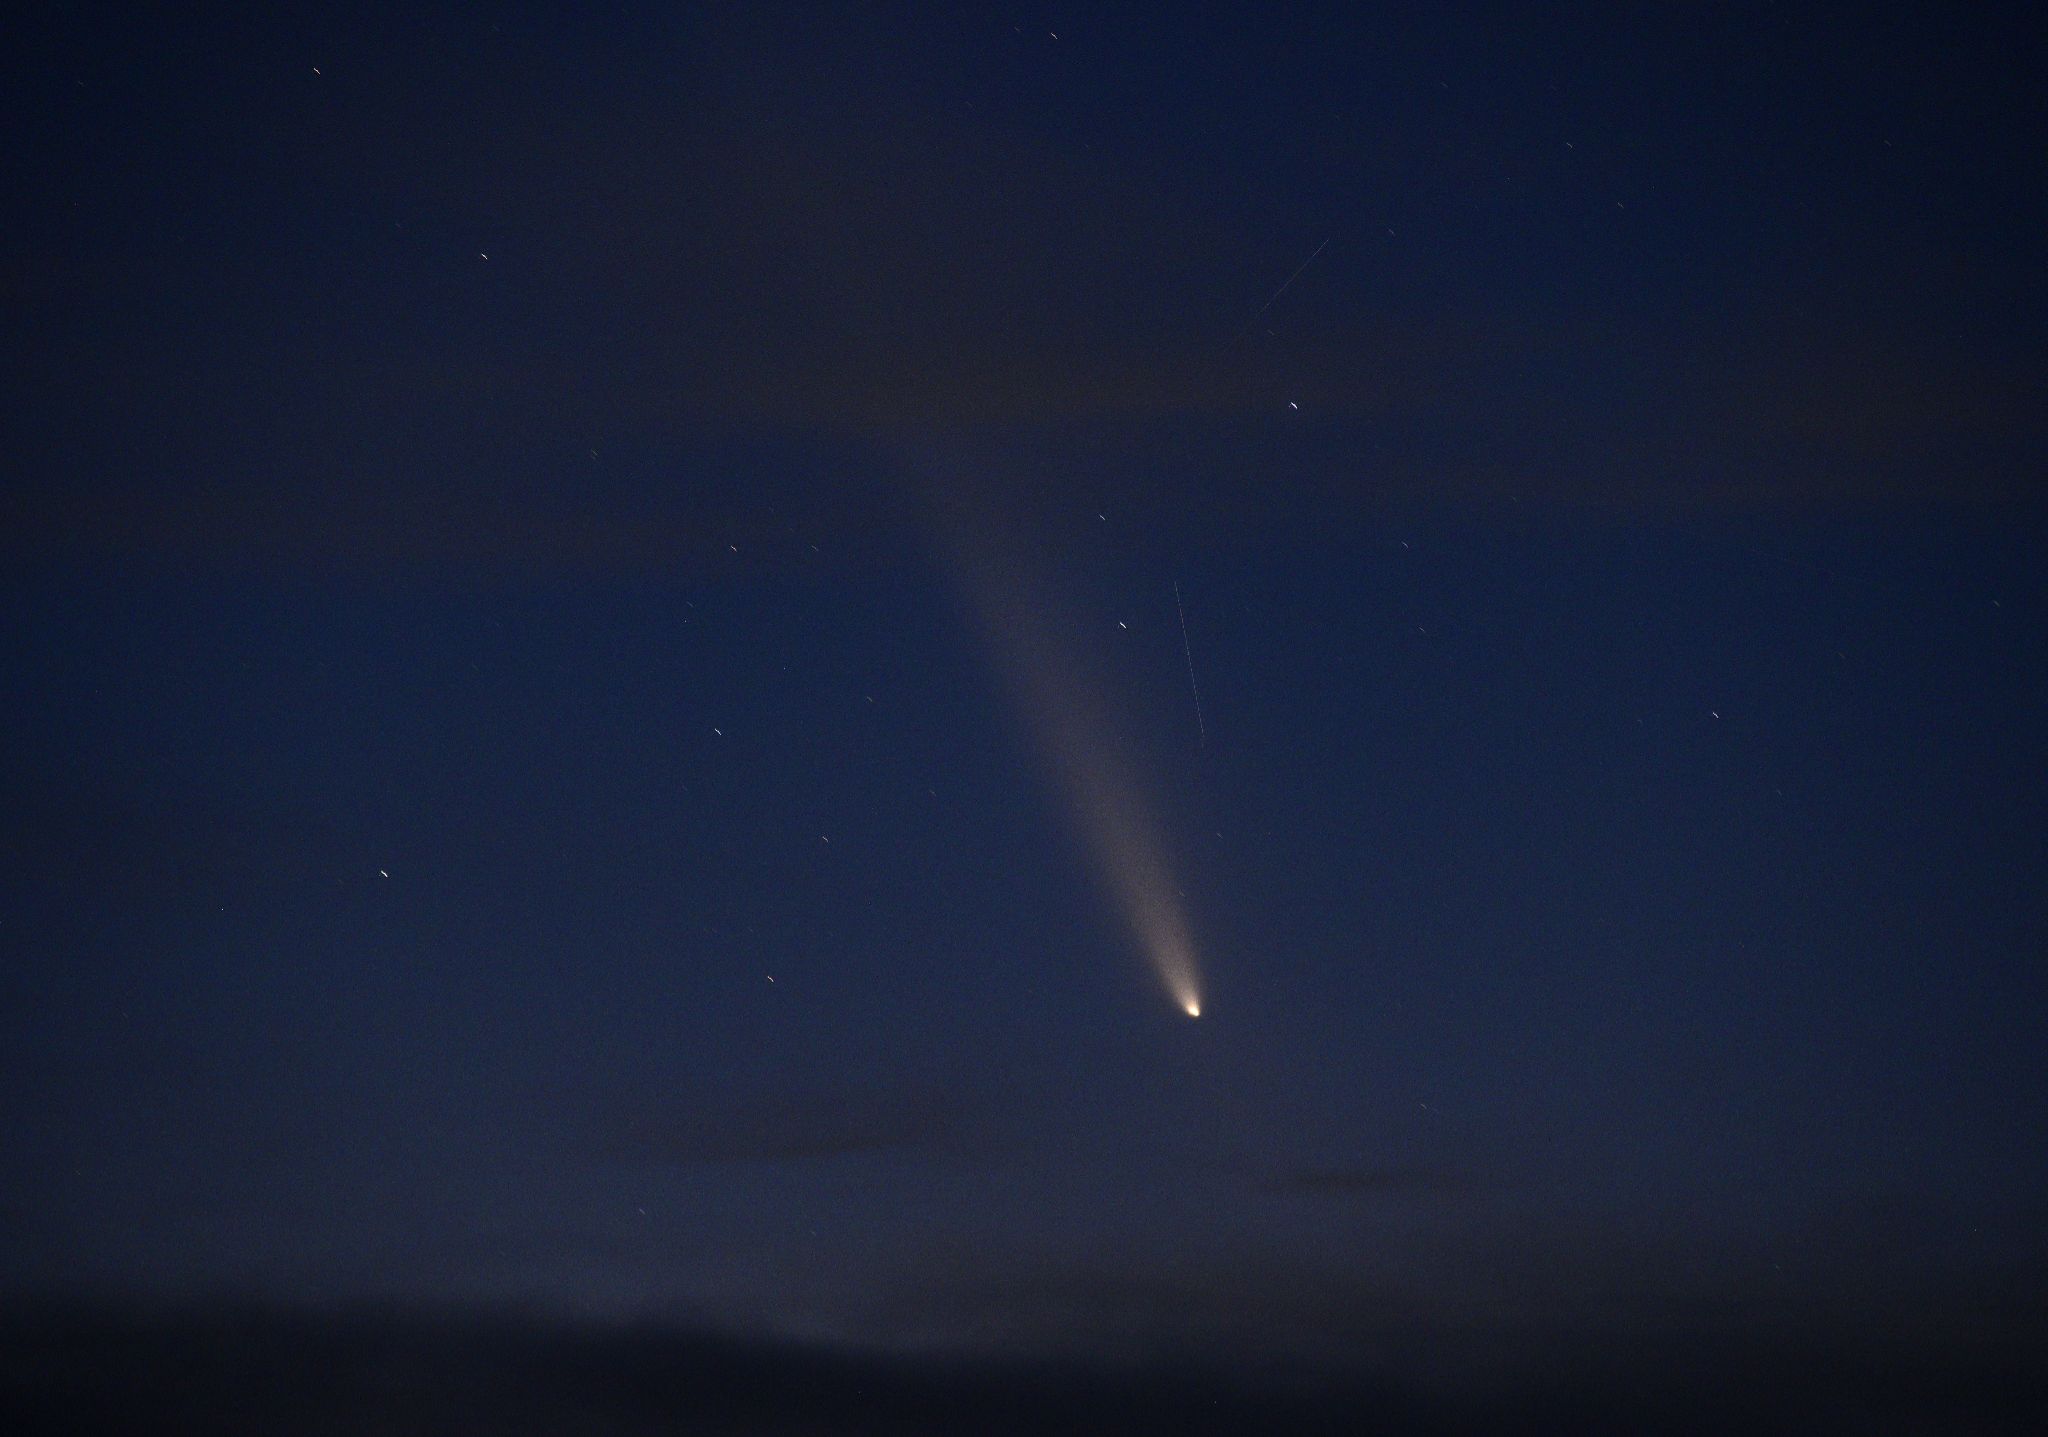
1071, 726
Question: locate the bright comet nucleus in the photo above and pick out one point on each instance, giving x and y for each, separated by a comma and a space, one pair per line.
1111, 810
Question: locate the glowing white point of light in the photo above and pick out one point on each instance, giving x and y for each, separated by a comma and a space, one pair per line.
1109, 805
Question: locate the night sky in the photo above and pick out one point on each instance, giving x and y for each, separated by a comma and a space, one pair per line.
623, 628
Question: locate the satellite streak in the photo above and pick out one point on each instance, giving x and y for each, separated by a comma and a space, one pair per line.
1250, 323
1193, 687
1292, 278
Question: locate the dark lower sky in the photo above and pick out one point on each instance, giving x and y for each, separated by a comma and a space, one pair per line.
629, 638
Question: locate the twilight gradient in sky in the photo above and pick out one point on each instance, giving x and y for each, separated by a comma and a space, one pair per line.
500, 807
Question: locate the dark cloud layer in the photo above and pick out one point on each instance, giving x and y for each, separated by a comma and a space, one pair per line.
238, 1369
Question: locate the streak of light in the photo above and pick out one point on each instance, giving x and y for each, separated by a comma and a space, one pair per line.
1072, 728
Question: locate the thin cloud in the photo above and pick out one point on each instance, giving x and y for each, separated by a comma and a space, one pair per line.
795, 1127
1381, 1182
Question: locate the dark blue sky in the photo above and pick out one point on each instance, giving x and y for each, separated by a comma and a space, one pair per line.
475, 611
